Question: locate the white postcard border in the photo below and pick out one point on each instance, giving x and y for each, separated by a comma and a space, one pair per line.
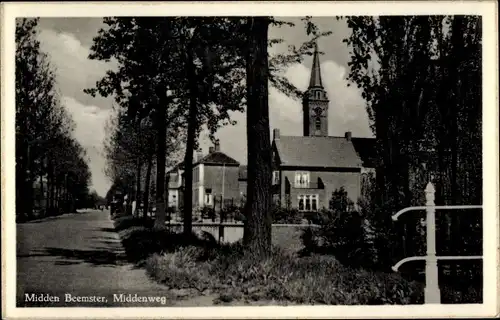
487, 9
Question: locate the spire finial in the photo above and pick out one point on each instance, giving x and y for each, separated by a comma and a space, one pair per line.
316, 70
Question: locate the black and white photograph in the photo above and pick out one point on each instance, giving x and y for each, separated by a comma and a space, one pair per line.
219, 160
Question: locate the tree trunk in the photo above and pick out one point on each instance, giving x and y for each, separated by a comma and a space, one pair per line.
56, 196
42, 195
137, 188
50, 197
146, 187
167, 181
53, 192
21, 189
257, 233
160, 163
457, 55
29, 196
190, 144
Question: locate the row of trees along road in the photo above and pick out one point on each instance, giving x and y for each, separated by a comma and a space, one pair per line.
421, 78
46, 151
212, 65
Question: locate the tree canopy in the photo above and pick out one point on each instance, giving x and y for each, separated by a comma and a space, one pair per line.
52, 172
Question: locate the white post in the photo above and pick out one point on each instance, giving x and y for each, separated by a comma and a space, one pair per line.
223, 182
432, 293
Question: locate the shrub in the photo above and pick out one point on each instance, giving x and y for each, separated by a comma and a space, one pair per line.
229, 212
342, 232
207, 213
239, 216
125, 222
140, 240
235, 275
283, 215
314, 217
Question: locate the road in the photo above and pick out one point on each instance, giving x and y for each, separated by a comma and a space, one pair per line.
78, 260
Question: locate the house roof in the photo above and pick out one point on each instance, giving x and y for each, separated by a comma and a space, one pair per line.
330, 152
218, 157
242, 174
179, 166
367, 151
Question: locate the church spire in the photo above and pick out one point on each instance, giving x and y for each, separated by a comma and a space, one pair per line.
315, 81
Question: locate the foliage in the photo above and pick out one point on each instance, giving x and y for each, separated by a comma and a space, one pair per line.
342, 232
140, 239
46, 151
421, 64
165, 64
201, 266
208, 213
283, 215
234, 275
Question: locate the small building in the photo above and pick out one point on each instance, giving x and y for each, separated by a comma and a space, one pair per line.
175, 187
215, 177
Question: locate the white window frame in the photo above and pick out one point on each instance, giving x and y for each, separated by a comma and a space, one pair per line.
276, 177
311, 198
208, 198
302, 179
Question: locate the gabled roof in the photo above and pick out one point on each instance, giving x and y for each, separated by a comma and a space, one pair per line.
242, 174
218, 157
328, 152
367, 151
179, 166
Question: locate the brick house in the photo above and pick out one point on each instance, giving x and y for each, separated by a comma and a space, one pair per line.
308, 168
215, 176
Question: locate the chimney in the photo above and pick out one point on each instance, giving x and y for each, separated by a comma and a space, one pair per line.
348, 135
217, 145
276, 134
199, 156
211, 150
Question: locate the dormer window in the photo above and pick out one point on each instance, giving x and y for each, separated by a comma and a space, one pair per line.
302, 179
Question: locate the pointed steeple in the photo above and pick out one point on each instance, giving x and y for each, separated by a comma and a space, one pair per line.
315, 81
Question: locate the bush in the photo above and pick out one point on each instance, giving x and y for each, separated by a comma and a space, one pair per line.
283, 215
239, 216
229, 212
341, 233
140, 240
125, 222
207, 213
236, 275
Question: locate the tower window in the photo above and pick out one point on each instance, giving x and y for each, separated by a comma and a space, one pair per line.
318, 123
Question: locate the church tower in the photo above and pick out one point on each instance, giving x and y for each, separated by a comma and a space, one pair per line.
315, 102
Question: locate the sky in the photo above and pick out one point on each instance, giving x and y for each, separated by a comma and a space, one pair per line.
67, 41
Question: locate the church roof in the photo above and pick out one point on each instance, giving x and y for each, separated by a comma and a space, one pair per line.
328, 152
367, 151
315, 80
